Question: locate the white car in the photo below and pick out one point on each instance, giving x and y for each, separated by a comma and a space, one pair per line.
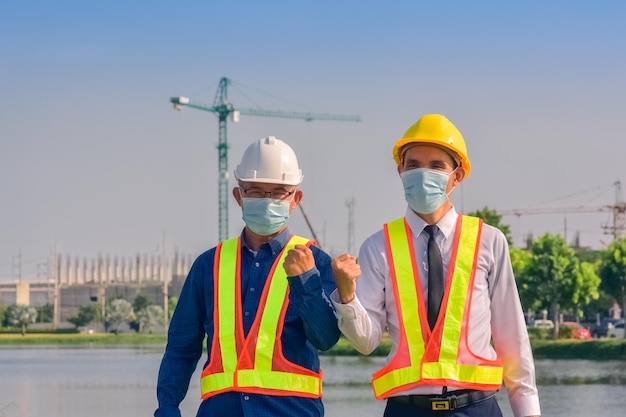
543, 324
617, 331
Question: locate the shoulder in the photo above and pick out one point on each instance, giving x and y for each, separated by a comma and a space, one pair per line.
374, 244
204, 260
493, 239
492, 233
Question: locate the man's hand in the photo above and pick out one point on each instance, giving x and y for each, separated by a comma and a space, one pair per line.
298, 261
346, 271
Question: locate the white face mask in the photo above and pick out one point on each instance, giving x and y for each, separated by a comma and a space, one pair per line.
265, 216
425, 189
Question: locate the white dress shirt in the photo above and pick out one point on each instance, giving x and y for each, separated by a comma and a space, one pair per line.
496, 311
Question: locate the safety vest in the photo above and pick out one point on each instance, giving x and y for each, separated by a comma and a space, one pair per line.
442, 356
254, 363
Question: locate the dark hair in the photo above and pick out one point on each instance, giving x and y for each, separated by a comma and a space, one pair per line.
456, 159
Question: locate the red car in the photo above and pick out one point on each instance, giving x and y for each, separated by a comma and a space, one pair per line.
578, 331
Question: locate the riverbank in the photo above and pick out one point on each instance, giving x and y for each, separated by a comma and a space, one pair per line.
597, 349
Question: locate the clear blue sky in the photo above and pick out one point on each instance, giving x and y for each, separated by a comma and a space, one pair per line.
95, 160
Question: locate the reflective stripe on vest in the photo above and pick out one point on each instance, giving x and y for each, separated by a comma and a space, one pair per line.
256, 363
433, 358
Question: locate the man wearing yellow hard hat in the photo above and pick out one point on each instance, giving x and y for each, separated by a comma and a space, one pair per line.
441, 284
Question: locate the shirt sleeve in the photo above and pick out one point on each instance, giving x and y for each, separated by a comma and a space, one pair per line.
310, 293
508, 328
362, 321
184, 342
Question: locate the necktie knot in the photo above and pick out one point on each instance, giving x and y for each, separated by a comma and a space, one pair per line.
431, 229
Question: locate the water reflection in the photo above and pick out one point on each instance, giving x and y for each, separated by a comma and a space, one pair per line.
99, 382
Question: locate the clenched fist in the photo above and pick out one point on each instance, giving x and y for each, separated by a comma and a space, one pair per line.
298, 261
346, 271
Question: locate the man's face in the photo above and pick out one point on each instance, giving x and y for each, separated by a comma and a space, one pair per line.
267, 190
431, 157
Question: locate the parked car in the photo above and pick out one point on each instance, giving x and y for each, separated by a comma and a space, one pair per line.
543, 324
602, 329
617, 331
578, 331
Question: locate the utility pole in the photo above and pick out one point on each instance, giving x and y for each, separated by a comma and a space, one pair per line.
165, 280
350, 203
56, 265
618, 228
17, 266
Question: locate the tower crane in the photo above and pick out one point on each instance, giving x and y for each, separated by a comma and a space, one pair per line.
224, 109
618, 227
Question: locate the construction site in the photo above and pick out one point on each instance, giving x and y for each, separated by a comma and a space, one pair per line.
68, 282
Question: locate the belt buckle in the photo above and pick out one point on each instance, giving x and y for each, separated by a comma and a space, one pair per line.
443, 404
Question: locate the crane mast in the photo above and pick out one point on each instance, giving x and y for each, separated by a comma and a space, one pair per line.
224, 109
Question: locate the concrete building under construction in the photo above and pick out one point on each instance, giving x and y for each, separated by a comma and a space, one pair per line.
73, 282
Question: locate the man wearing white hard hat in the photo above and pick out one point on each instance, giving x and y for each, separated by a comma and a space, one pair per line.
261, 301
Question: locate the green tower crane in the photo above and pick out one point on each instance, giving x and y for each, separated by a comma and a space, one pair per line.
224, 109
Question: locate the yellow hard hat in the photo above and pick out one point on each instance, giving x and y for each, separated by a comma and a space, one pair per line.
437, 130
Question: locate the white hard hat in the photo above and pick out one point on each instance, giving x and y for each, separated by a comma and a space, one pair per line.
269, 160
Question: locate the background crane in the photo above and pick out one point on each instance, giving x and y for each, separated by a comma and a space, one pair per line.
617, 228
224, 109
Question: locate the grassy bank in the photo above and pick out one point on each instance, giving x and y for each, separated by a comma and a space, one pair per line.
76, 339
600, 349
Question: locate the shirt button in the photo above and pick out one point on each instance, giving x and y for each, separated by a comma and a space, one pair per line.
247, 313
251, 289
256, 264
245, 397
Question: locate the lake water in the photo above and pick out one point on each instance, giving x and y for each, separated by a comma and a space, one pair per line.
121, 382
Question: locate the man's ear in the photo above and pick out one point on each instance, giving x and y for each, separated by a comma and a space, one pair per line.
297, 197
459, 175
237, 195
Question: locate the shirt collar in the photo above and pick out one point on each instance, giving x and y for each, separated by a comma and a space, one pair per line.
277, 244
446, 224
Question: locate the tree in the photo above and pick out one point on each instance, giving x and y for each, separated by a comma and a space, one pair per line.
45, 313
3, 314
171, 306
149, 317
119, 312
519, 261
588, 284
613, 271
140, 303
492, 218
20, 315
555, 278
86, 314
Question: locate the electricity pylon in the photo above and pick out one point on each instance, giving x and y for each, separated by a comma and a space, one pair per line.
224, 109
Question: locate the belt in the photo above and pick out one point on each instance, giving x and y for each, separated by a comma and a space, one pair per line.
451, 401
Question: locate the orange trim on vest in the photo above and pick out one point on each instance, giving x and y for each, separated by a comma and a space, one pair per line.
255, 363
441, 357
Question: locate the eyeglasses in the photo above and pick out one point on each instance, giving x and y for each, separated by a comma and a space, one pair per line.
257, 193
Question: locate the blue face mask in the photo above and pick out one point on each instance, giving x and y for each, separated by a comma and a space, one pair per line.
265, 216
425, 189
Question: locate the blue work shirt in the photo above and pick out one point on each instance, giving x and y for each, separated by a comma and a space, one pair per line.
310, 325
